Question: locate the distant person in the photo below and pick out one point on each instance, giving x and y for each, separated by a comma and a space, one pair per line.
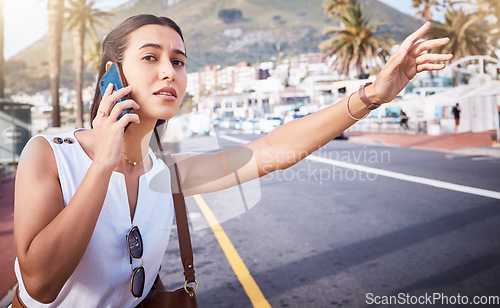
403, 120
456, 114
498, 106
79, 194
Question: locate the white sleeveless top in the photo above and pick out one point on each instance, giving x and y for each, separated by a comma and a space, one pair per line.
102, 278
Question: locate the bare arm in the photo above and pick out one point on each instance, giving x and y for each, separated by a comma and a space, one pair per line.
293, 141
280, 149
44, 229
51, 239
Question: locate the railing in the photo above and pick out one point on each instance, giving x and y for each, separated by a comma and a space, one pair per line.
389, 125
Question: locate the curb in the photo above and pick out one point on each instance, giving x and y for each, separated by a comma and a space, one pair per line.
492, 151
479, 151
369, 141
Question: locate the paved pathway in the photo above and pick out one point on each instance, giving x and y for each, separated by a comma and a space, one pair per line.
473, 143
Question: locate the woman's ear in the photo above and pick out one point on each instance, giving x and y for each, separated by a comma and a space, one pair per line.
108, 65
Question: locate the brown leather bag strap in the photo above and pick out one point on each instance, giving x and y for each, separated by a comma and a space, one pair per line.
181, 219
17, 302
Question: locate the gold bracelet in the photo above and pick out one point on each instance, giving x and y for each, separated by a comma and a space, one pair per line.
349, 112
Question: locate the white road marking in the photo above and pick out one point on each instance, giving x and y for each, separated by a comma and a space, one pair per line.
394, 175
484, 158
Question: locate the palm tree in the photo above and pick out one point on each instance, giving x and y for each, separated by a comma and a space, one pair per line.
492, 8
488, 10
93, 56
2, 79
426, 6
355, 42
81, 17
468, 33
54, 36
336, 7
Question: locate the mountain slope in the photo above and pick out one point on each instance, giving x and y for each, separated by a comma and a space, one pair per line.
297, 24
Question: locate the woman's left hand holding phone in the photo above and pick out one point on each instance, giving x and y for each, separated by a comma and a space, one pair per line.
109, 131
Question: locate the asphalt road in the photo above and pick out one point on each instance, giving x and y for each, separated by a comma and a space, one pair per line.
325, 236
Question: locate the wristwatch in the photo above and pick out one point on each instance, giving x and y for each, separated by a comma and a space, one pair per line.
365, 99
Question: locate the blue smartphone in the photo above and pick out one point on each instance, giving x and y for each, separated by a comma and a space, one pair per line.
114, 76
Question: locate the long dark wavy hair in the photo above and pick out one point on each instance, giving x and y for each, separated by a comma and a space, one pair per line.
116, 42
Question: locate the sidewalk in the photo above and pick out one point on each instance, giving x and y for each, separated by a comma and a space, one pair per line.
464, 143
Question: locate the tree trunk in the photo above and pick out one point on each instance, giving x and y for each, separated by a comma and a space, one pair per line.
427, 11
359, 69
54, 36
2, 61
79, 39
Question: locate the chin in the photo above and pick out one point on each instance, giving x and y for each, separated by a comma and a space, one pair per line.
166, 114
160, 113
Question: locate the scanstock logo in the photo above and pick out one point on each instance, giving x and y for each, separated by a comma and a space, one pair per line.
13, 134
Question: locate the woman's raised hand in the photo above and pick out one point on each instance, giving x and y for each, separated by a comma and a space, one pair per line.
410, 58
109, 131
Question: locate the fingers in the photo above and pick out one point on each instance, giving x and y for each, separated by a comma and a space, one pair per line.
415, 36
127, 118
121, 106
109, 98
430, 67
425, 58
110, 110
425, 62
430, 44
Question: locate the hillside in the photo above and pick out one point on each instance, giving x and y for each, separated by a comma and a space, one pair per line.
297, 24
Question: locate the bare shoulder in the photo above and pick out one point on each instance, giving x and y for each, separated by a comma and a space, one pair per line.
37, 155
38, 196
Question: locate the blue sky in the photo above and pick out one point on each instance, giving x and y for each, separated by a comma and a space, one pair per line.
26, 23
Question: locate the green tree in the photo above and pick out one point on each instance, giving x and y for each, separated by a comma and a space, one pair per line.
425, 7
468, 33
81, 17
2, 61
93, 56
336, 7
492, 9
356, 42
230, 16
485, 11
54, 36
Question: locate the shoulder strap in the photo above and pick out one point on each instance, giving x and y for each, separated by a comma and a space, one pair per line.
181, 219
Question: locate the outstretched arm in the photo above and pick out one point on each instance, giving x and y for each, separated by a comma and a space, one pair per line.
290, 143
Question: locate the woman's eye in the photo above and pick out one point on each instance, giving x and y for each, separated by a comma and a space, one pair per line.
178, 63
149, 58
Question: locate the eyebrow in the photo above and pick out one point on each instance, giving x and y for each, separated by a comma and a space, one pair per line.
158, 46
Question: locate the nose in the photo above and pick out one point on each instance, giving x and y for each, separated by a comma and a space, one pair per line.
167, 72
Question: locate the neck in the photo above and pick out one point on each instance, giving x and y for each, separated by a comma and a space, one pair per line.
136, 140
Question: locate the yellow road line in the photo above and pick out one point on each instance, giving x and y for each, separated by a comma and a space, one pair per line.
239, 268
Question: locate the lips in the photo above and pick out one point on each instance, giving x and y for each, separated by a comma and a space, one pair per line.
167, 91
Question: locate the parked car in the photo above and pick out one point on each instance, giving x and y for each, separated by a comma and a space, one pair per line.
200, 124
250, 126
225, 123
269, 122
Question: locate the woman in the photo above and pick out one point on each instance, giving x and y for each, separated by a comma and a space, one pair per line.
79, 195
